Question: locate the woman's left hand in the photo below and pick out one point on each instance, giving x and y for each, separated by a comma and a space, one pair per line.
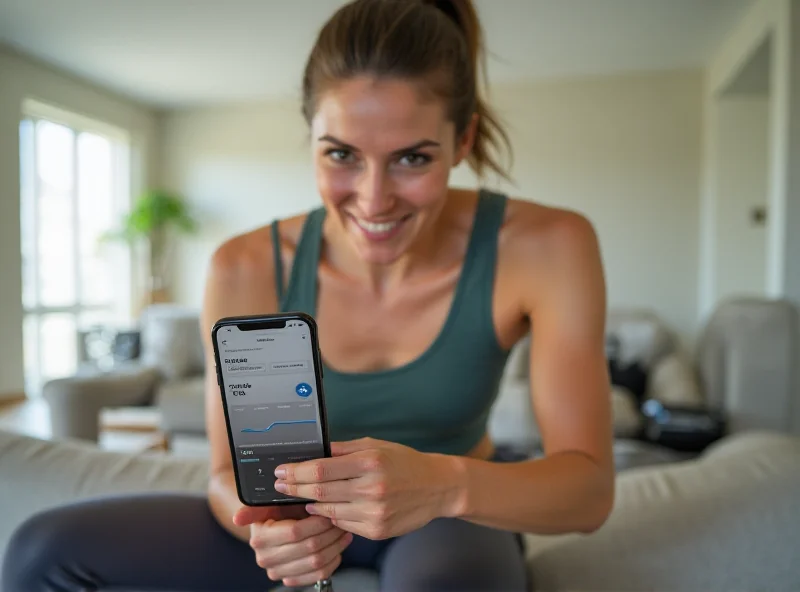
374, 488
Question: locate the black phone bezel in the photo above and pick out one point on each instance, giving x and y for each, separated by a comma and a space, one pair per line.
253, 322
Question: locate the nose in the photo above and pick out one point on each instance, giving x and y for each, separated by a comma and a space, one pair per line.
374, 192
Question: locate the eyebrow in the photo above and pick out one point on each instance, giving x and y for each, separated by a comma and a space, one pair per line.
412, 148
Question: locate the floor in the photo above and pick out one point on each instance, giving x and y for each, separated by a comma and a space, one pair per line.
125, 430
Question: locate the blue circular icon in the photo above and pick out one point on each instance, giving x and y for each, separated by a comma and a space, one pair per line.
303, 389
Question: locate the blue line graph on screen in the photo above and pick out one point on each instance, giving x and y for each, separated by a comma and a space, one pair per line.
276, 423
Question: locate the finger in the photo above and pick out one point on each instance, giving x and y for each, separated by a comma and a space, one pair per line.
284, 532
323, 469
337, 511
313, 561
351, 446
247, 515
312, 578
330, 491
281, 554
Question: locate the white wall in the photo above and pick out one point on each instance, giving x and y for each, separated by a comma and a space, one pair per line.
238, 167
625, 150
741, 252
21, 78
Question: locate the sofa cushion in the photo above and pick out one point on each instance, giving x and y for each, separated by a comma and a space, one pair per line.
725, 521
625, 413
38, 474
673, 382
641, 334
171, 341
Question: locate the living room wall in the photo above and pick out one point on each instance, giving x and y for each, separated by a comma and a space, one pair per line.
625, 150
740, 241
22, 78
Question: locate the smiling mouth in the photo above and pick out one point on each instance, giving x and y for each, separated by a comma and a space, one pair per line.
380, 230
380, 227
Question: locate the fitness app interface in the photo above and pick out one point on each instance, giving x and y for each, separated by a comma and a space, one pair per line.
270, 392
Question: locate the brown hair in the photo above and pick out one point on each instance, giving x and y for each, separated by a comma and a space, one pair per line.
440, 41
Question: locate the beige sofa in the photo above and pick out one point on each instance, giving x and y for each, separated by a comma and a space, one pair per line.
726, 521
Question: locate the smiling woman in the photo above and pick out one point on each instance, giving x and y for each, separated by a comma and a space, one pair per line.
419, 291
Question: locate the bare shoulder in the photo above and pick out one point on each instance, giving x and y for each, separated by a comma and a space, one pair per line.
246, 256
241, 272
545, 235
550, 256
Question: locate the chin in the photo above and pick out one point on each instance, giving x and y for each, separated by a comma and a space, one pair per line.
382, 248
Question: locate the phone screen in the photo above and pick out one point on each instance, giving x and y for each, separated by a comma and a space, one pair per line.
271, 393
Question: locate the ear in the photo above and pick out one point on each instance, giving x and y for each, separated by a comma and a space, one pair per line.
466, 141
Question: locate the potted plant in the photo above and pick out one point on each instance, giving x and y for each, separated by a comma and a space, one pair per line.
156, 215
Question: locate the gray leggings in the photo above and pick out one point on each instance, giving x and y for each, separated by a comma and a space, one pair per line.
173, 542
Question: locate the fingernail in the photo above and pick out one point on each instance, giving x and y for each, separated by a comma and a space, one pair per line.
280, 473
281, 487
310, 509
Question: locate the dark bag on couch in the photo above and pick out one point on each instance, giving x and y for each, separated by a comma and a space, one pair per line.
631, 376
681, 428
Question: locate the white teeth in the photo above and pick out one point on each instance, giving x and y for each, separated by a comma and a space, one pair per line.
372, 227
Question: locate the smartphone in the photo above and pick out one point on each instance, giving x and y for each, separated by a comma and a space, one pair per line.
269, 371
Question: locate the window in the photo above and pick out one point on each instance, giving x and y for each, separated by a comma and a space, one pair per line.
74, 187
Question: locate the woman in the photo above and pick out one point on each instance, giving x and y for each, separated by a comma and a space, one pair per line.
419, 291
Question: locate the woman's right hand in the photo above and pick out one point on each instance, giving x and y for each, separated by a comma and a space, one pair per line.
292, 545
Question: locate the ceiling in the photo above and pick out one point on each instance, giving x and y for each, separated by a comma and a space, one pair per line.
171, 53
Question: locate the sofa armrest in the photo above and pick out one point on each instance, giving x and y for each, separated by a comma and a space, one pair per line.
76, 401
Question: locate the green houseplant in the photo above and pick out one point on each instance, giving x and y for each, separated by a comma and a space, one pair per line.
155, 217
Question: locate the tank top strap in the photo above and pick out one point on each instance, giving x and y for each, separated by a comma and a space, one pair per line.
301, 293
489, 217
278, 261
476, 288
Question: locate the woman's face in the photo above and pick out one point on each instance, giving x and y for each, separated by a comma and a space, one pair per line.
383, 154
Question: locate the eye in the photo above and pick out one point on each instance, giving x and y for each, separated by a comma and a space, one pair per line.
414, 159
340, 155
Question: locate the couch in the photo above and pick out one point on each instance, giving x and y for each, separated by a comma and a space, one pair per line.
169, 375
727, 520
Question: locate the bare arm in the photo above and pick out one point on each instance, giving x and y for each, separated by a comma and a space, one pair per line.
572, 488
238, 283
